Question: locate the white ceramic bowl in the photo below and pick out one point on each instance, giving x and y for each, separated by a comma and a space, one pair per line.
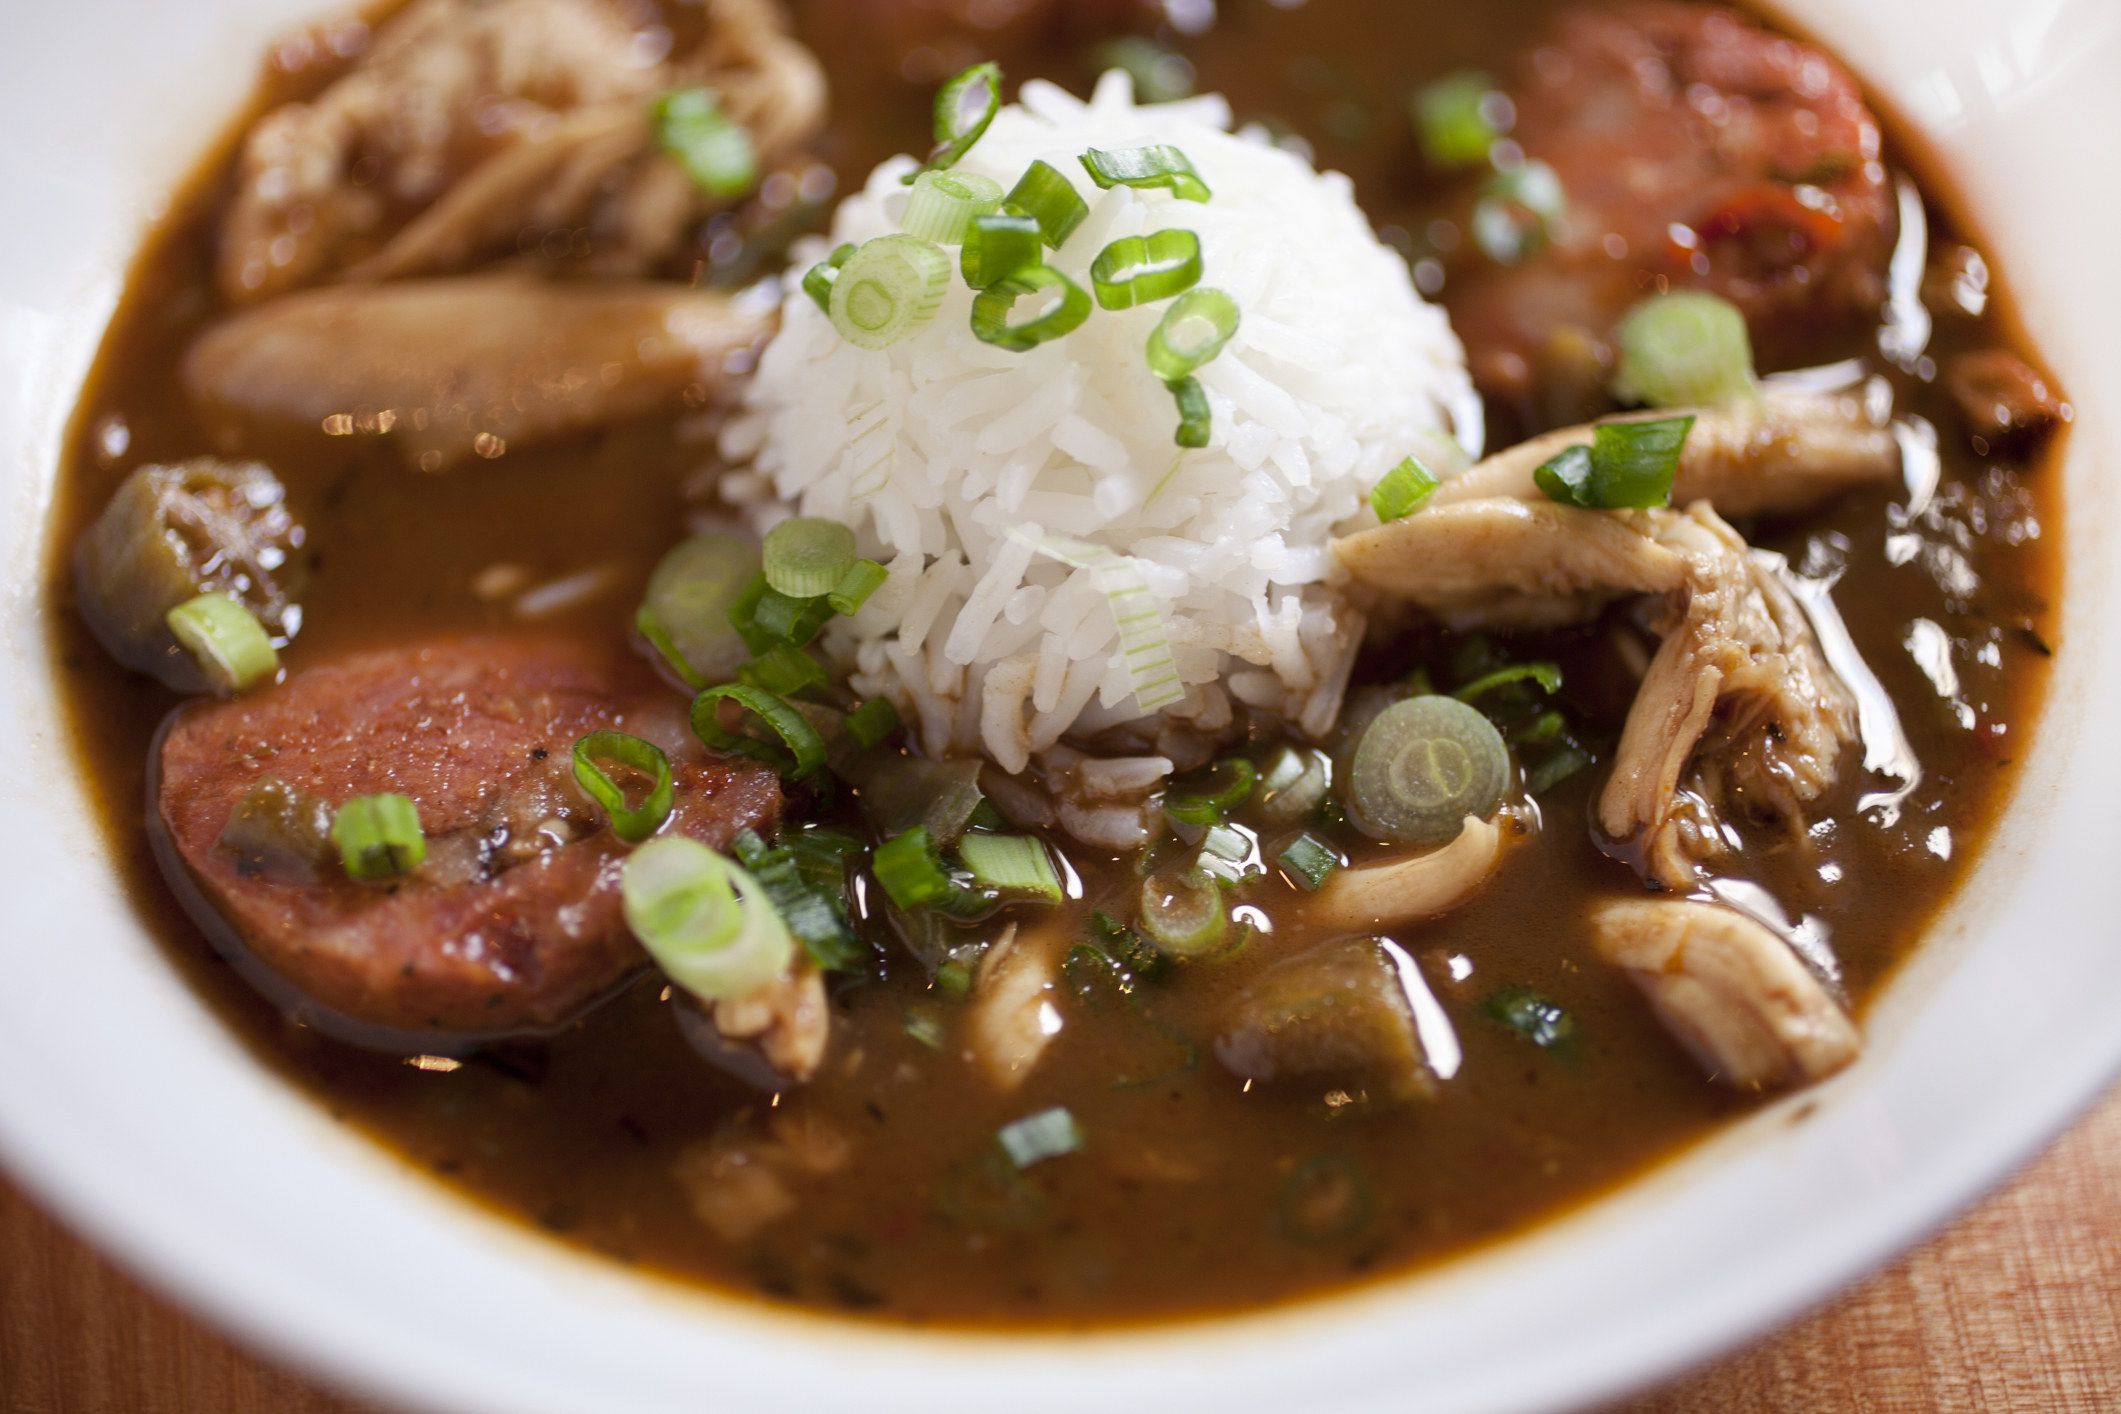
129, 1110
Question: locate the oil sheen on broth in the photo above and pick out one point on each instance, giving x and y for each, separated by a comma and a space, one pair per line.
1194, 1192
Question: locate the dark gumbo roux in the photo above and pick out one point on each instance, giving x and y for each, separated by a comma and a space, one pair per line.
1191, 1196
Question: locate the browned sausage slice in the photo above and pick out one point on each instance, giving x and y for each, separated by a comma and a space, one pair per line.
513, 922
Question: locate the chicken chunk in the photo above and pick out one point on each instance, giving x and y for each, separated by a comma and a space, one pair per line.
467, 365
1407, 891
472, 127
1732, 992
1739, 709
1015, 1014
513, 922
1697, 150
742, 1182
787, 1019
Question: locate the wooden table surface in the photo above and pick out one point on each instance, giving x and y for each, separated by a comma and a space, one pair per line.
2014, 1309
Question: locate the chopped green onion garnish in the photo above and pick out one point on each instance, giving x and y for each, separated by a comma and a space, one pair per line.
1196, 419
889, 290
823, 275
924, 1026
871, 722
805, 748
985, 817
1519, 212
1146, 168
1685, 349
763, 616
1293, 785
1045, 194
1152, 670
784, 671
806, 556
378, 836
1546, 1024
955, 975
862, 579
1060, 315
911, 870
631, 823
1138, 956
1205, 796
1192, 332
1457, 119
1045, 1135
1547, 675
226, 640
1405, 489
1307, 862
964, 108
944, 205
705, 921
1143, 269
1555, 769
1424, 765
1012, 864
685, 612
806, 886
998, 246
1183, 912
714, 149
1628, 466
1226, 850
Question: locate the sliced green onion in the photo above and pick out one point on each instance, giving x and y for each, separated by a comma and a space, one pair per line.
1146, 168
1307, 862
955, 975
705, 920
1139, 957
1424, 765
806, 556
826, 273
1045, 1135
1196, 420
1011, 864
378, 836
1628, 466
1456, 117
806, 887
1183, 912
1685, 349
925, 1026
1556, 768
1547, 675
805, 748
889, 290
1227, 851
944, 205
763, 616
998, 246
1293, 785
1547, 726
229, 644
784, 671
685, 612
901, 792
1206, 796
1546, 1024
911, 870
871, 722
1045, 194
714, 149
1152, 669
964, 108
1091, 973
986, 817
1143, 269
631, 823
1518, 212
993, 309
862, 579
1192, 332
1405, 489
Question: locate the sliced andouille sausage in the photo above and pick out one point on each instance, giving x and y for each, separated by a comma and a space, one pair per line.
513, 921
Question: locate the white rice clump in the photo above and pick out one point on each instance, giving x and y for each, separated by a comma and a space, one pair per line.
975, 475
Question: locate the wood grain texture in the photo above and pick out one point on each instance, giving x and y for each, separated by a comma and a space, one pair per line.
2014, 1309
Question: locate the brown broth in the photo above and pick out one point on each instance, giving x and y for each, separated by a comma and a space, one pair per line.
1172, 1209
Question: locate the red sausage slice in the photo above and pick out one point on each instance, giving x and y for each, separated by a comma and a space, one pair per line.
513, 923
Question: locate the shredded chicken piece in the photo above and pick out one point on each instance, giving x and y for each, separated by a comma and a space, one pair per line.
1739, 706
1385, 895
741, 1183
1013, 1016
1730, 990
787, 1018
471, 364
472, 126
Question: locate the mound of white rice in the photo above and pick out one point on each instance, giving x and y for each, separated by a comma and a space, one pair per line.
986, 480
